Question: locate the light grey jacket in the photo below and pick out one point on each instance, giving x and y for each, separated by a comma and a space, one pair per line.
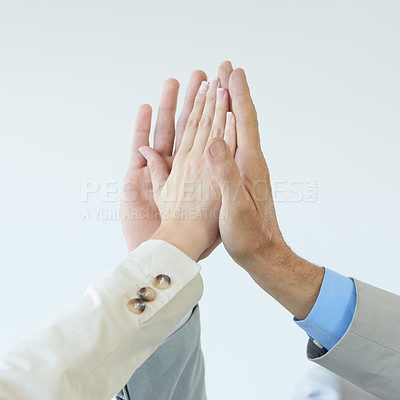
368, 355
175, 371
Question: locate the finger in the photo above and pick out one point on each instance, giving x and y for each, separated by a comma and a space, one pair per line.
194, 83
207, 117
141, 133
194, 118
244, 110
224, 72
221, 108
230, 133
164, 131
157, 165
226, 174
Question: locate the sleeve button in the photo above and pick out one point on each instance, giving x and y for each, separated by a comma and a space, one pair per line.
147, 294
162, 281
136, 306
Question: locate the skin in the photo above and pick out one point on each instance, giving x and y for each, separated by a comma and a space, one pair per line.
239, 175
137, 191
192, 233
247, 221
251, 233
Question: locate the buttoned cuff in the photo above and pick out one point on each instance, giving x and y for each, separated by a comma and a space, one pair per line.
99, 341
139, 269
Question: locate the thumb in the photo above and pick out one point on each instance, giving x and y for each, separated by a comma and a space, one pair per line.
225, 171
157, 165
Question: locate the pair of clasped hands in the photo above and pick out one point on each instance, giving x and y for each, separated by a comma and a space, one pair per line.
213, 185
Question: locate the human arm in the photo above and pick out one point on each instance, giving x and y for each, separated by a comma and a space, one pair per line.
368, 352
248, 223
162, 372
90, 349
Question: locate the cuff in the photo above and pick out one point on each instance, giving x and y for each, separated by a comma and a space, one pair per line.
139, 269
333, 311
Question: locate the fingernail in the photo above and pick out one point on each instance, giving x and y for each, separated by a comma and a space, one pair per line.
217, 149
221, 93
203, 87
143, 151
214, 83
229, 116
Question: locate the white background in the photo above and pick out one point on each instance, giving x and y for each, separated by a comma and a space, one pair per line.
325, 79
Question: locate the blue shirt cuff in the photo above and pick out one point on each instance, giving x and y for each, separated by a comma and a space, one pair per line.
333, 311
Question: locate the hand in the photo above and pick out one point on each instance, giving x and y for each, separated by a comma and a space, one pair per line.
248, 223
188, 199
139, 213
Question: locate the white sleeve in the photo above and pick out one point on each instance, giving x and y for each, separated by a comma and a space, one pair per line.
90, 350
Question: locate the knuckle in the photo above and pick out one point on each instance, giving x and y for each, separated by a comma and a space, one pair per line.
192, 122
215, 132
205, 122
211, 94
198, 102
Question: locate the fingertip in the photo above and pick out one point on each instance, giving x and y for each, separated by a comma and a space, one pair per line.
221, 94
226, 64
239, 71
145, 109
203, 87
198, 75
238, 83
142, 122
225, 68
144, 151
224, 71
237, 74
171, 83
214, 82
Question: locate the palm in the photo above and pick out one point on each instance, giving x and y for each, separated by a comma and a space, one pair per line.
139, 213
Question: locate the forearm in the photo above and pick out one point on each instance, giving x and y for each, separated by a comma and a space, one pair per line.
71, 356
292, 281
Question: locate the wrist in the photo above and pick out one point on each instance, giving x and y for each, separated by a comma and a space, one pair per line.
182, 238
